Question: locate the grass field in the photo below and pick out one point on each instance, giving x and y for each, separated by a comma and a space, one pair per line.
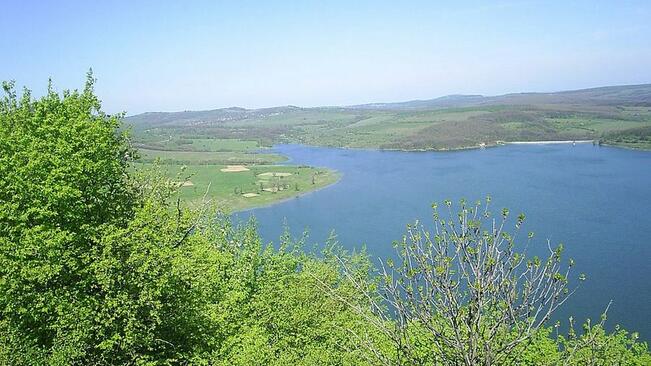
162, 141
209, 157
260, 185
236, 174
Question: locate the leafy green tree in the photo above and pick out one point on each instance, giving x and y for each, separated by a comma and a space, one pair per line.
98, 266
465, 291
596, 346
281, 316
463, 294
63, 177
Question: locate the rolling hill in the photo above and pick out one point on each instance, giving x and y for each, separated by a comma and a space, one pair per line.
613, 114
628, 95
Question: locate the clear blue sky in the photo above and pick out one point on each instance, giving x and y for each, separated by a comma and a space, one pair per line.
180, 55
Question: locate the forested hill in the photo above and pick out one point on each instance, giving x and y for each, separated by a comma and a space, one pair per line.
618, 115
629, 95
190, 118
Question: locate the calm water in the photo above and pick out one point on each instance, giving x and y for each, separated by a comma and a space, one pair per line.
595, 200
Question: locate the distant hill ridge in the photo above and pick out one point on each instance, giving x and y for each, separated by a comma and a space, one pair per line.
626, 95
606, 95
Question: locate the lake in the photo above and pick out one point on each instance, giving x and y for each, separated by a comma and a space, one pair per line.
595, 200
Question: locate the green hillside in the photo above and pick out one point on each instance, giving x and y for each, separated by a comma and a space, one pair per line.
454, 122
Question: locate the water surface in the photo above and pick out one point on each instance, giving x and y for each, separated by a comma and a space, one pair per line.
595, 200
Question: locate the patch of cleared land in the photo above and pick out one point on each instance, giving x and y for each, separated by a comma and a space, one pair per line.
234, 169
243, 177
274, 174
185, 183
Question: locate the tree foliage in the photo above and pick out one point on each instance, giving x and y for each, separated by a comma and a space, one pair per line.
467, 294
99, 267
102, 265
63, 180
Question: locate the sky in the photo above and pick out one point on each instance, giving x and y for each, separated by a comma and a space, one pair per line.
193, 55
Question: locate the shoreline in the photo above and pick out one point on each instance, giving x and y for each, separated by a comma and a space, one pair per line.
546, 142
445, 149
459, 149
336, 172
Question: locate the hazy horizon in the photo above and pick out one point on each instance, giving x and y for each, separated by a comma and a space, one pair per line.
383, 102
167, 56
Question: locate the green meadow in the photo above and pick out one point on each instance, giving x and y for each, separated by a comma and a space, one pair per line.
260, 185
208, 157
199, 166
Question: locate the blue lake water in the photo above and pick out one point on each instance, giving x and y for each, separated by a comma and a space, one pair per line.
595, 200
